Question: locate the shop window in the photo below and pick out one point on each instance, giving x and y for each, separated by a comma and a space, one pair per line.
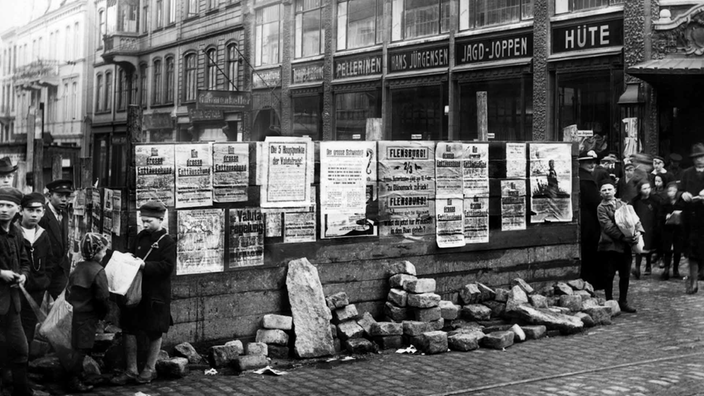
563, 6
306, 116
267, 35
481, 13
359, 23
156, 85
309, 29
585, 100
189, 78
418, 114
170, 80
98, 92
233, 64
211, 76
352, 110
143, 85
108, 91
419, 18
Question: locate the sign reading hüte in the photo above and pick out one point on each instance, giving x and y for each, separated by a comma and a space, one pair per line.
587, 35
224, 100
488, 49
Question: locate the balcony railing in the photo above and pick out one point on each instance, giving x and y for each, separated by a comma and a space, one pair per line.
120, 44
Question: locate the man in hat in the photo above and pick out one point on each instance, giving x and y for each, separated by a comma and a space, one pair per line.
7, 171
625, 189
14, 269
589, 200
55, 222
606, 170
674, 166
692, 187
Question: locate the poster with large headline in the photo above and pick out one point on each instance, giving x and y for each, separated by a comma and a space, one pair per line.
550, 182
475, 179
155, 166
230, 172
476, 219
348, 197
448, 170
200, 247
449, 222
286, 172
513, 205
406, 188
194, 176
515, 160
246, 237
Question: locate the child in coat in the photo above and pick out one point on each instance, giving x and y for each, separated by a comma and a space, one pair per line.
672, 233
647, 207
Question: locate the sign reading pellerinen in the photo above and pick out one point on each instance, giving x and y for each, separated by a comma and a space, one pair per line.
224, 100
357, 66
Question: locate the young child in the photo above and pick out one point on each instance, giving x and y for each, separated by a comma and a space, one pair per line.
88, 293
672, 235
647, 208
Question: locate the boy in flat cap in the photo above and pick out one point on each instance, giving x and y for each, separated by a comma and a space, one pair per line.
55, 222
7, 171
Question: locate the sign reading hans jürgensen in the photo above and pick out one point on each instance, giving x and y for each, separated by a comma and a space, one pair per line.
486, 49
415, 58
310, 72
587, 35
224, 100
358, 65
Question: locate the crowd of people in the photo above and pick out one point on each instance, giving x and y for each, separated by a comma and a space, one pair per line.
35, 261
669, 203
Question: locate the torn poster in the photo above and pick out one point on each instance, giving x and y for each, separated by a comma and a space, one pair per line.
246, 237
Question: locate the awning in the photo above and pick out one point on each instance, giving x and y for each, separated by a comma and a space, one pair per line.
671, 66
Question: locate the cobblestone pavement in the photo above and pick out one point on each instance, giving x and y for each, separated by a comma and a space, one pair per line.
658, 351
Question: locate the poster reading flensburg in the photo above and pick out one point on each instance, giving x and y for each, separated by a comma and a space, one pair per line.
513, 205
230, 172
200, 247
348, 201
515, 160
246, 237
155, 174
407, 188
194, 176
550, 182
475, 179
288, 172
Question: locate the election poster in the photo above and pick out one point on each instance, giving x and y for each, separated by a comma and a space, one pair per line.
287, 169
515, 160
449, 222
550, 182
107, 211
246, 237
230, 172
348, 199
155, 174
299, 227
448, 170
513, 205
200, 247
475, 179
406, 188
476, 219
194, 177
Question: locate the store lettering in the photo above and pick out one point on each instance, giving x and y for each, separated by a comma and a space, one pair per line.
420, 59
583, 36
498, 49
358, 67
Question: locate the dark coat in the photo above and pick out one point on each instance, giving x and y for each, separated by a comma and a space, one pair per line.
13, 257
39, 254
88, 293
693, 215
648, 210
58, 237
589, 226
611, 239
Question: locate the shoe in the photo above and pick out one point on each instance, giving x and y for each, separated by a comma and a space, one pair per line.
692, 288
76, 385
636, 273
665, 275
676, 275
124, 378
626, 308
647, 270
146, 376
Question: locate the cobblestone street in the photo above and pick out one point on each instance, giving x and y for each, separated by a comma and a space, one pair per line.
658, 351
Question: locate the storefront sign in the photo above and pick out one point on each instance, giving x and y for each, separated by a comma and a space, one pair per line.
157, 121
224, 100
311, 72
488, 49
358, 66
266, 78
587, 35
418, 58
200, 115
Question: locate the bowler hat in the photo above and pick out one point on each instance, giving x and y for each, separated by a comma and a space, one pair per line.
60, 186
6, 166
697, 150
587, 156
152, 209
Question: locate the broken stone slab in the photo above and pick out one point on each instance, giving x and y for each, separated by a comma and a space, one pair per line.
187, 351
538, 301
551, 320
337, 300
502, 295
492, 328
310, 312
520, 335
464, 342
586, 319
237, 344
561, 310
534, 332
497, 308
600, 315
548, 291
423, 300
402, 267
466, 324
573, 302
397, 314
366, 321
257, 348
349, 329
437, 324
389, 342
528, 289
273, 321
465, 330
277, 337
360, 346
176, 367
434, 342
476, 312
590, 303
498, 340
470, 293
345, 313
414, 328
614, 307
278, 351
424, 285
427, 314
399, 280
518, 295
398, 297
222, 355
576, 284
383, 329
487, 293
562, 288
250, 362
582, 293
448, 310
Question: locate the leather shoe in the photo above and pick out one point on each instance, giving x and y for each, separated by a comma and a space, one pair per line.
124, 378
146, 376
626, 308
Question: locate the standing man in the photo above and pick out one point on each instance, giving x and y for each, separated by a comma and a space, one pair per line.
692, 187
55, 222
7, 172
674, 167
589, 223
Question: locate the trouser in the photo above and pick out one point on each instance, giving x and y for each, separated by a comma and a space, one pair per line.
15, 351
59, 279
617, 262
29, 318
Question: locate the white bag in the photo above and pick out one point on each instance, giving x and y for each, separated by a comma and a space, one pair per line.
120, 271
626, 220
57, 329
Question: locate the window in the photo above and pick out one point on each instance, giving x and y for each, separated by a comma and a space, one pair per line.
122, 89
75, 111
419, 18
417, 113
359, 23
191, 8
108, 91
562, 6
159, 14
156, 84
143, 85
101, 29
171, 12
66, 106
127, 18
309, 29
233, 63
211, 70
145, 19
480, 13
306, 116
170, 80
587, 100
267, 27
77, 52
98, 92
352, 110
189, 77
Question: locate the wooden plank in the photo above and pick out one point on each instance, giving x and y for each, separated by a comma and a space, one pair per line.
482, 119
56, 167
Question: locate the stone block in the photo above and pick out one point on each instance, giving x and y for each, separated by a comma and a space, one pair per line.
498, 340
464, 342
528, 289
492, 328
576, 284
250, 362
416, 340
600, 315
534, 332
551, 320
359, 346
497, 308
448, 310
502, 295
221, 355
487, 293
538, 301
573, 302
399, 280
366, 321
402, 267
337, 300
614, 307
466, 324
560, 310
548, 291
518, 295
237, 344
349, 329
281, 322
345, 313
172, 368
414, 328
338, 345
464, 331
278, 351
520, 335
589, 288
434, 342
476, 312
562, 288
423, 300
554, 333
333, 330
437, 324
187, 351
582, 293
427, 314
395, 313
257, 348
425, 285
389, 342
586, 319
398, 296
590, 303
383, 329
278, 337
470, 293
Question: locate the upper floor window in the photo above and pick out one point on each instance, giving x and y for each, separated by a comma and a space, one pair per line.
233, 62
101, 28
159, 8
191, 8
419, 18
359, 23
127, 18
211, 71
123, 89
143, 85
145, 18
171, 11
267, 28
108, 91
480, 13
170, 80
98, 92
562, 6
156, 84
189, 77
75, 111
309, 28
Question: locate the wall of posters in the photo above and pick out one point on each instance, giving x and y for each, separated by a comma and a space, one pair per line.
155, 174
348, 199
230, 172
515, 160
513, 205
200, 247
299, 227
194, 176
246, 237
406, 188
551, 182
287, 170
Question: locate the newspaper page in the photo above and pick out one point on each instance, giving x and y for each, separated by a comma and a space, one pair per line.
513, 205
194, 176
120, 271
287, 172
200, 247
156, 179
515, 160
475, 179
246, 237
551, 182
230, 172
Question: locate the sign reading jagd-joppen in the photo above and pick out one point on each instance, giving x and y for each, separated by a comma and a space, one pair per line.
358, 66
487, 49
587, 35
415, 58
224, 100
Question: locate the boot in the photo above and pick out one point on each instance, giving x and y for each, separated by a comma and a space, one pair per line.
676, 266
667, 258
693, 282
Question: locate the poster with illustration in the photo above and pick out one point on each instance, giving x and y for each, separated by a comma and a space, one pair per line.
513, 205
200, 247
550, 166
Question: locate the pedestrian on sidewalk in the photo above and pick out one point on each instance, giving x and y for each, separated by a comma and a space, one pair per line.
692, 187
614, 246
672, 235
647, 207
55, 221
589, 199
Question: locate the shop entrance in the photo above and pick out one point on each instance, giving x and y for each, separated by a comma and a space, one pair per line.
266, 124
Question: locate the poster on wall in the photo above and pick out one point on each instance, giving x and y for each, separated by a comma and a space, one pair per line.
107, 211
406, 188
299, 227
97, 209
475, 180
200, 247
476, 219
449, 222
155, 174
550, 182
287, 172
449, 170
515, 160
348, 199
513, 205
246, 237
116, 211
194, 177
230, 172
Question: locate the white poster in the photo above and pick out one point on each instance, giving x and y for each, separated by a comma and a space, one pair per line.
155, 166
287, 172
450, 222
230, 172
551, 182
194, 176
515, 160
513, 205
200, 247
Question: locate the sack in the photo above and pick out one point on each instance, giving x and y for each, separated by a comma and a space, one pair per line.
57, 330
675, 218
626, 220
134, 293
41, 315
